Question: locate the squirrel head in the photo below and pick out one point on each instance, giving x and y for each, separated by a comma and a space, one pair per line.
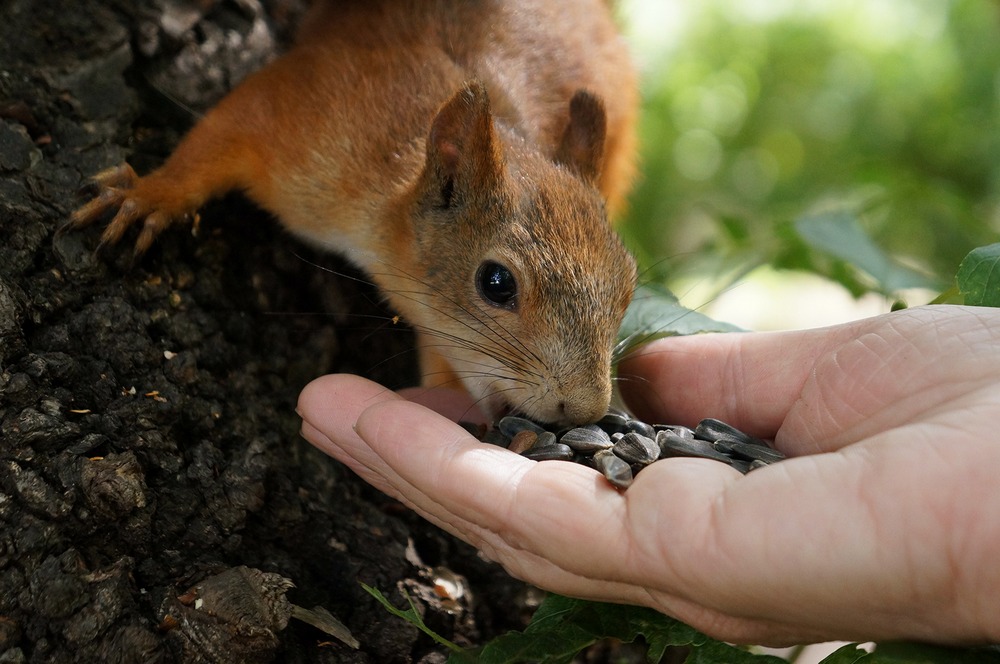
521, 282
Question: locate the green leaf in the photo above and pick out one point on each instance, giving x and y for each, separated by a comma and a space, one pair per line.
411, 616
840, 235
562, 627
979, 276
655, 313
717, 652
848, 654
900, 652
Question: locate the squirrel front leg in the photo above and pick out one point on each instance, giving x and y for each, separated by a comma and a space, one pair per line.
218, 155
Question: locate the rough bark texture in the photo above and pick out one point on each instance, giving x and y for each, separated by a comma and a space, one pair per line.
148, 442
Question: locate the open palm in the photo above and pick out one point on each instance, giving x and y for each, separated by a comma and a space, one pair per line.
884, 523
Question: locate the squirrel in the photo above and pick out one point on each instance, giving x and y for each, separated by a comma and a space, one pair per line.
467, 155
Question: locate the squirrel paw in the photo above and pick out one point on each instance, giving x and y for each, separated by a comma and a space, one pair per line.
131, 198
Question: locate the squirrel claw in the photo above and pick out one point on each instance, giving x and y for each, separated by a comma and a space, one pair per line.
151, 228
130, 210
120, 191
105, 201
108, 191
121, 176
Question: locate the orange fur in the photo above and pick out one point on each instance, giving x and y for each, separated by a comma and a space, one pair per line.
358, 136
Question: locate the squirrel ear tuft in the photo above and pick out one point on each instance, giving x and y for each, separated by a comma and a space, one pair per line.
462, 151
582, 145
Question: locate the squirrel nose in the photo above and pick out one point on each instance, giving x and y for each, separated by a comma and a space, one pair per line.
584, 407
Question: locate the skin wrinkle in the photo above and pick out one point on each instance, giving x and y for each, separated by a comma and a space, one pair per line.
513, 537
760, 385
989, 345
512, 564
567, 583
844, 404
730, 524
737, 630
830, 398
396, 456
982, 613
716, 529
652, 555
820, 400
718, 521
635, 558
561, 496
615, 521
506, 498
945, 523
457, 525
961, 555
367, 432
875, 520
737, 377
925, 582
773, 533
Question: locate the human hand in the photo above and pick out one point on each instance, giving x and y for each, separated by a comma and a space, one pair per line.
884, 524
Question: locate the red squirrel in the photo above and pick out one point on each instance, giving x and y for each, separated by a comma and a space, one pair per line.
466, 154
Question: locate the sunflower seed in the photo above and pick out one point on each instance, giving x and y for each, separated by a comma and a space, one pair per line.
546, 438
494, 437
748, 452
524, 440
681, 431
618, 447
614, 422
557, 452
637, 449
672, 445
586, 439
511, 425
614, 469
641, 428
713, 430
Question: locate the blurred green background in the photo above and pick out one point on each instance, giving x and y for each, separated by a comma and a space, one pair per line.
769, 123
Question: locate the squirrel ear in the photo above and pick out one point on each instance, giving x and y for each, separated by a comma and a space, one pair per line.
582, 145
462, 151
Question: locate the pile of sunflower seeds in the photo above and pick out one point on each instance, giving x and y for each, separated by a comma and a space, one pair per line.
619, 446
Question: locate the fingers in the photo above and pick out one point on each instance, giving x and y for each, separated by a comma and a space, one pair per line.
532, 517
748, 380
818, 390
329, 407
699, 550
775, 555
496, 499
454, 404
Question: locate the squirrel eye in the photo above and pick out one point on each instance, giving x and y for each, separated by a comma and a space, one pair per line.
496, 284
